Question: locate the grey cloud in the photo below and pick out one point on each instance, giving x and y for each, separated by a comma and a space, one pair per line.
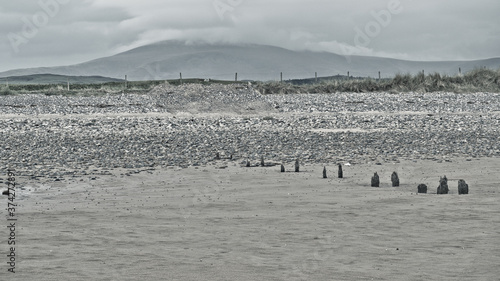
425, 29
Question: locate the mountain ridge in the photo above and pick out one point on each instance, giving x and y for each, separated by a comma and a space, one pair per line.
167, 59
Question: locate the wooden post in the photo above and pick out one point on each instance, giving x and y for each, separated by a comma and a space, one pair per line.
316, 76
324, 173
395, 179
236, 77
180, 74
341, 174
7, 83
68, 84
459, 71
281, 76
282, 168
379, 76
126, 81
348, 76
262, 163
375, 180
297, 166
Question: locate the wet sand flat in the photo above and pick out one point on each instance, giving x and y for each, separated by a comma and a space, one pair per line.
227, 222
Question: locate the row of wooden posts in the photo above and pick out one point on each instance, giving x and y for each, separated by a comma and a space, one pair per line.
236, 77
315, 75
463, 187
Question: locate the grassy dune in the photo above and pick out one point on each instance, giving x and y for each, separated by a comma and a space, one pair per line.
478, 80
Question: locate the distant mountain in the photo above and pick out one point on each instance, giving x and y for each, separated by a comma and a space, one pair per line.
165, 60
59, 79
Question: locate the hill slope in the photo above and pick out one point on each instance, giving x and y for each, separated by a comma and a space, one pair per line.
165, 60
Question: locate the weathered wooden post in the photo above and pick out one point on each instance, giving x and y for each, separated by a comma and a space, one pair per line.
236, 77
375, 180
422, 188
324, 173
282, 168
126, 82
316, 77
262, 163
443, 186
379, 76
459, 71
348, 76
395, 179
297, 166
281, 76
180, 75
463, 188
341, 174
7, 83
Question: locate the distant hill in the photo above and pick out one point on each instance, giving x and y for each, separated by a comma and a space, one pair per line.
57, 79
165, 60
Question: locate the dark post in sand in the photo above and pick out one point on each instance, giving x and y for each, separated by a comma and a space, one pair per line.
443, 186
463, 188
422, 188
375, 180
395, 179
341, 174
297, 166
324, 172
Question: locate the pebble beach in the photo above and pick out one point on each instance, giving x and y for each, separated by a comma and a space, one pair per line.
64, 136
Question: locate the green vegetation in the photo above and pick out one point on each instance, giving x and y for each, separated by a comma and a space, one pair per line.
478, 80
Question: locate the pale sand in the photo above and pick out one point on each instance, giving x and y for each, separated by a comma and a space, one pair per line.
258, 224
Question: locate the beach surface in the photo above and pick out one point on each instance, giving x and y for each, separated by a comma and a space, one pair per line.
129, 187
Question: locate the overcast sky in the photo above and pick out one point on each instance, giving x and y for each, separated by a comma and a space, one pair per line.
63, 32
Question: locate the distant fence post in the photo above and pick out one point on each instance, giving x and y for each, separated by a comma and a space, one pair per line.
379, 76
316, 76
348, 76
281, 76
236, 77
126, 82
180, 77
